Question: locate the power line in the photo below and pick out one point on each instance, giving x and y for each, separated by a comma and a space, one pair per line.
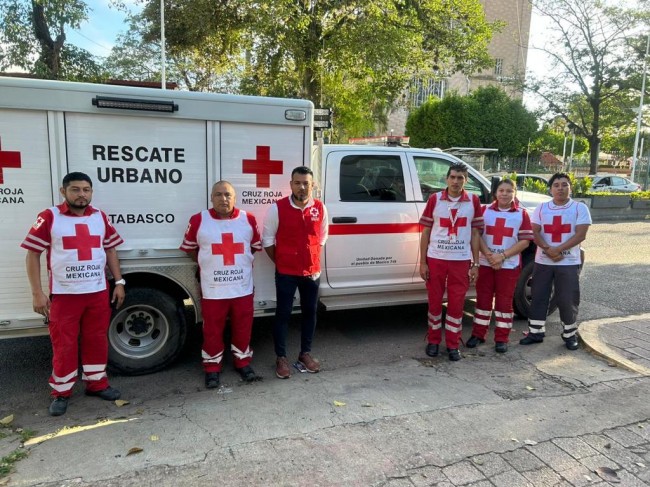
90, 40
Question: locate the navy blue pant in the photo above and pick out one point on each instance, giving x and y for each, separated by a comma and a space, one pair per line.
285, 289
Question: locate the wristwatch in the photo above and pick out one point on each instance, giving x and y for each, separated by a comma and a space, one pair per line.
120, 282
476, 264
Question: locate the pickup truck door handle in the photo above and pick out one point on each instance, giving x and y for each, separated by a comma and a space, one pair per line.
344, 219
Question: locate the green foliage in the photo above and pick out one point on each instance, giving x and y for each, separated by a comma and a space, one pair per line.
487, 118
640, 195
535, 186
580, 186
596, 51
33, 35
355, 56
7, 462
551, 139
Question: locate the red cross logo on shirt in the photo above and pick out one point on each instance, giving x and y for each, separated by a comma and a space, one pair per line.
228, 248
499, 230
8, 159
557, 229
452, 224
262, 167
83, 242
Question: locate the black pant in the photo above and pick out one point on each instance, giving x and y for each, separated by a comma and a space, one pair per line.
285, 288
565, 280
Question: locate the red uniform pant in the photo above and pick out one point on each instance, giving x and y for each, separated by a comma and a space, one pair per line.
452, 274
215, 312
78, 318
500, 287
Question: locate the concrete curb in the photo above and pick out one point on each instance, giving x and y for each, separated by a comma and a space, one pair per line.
590, 336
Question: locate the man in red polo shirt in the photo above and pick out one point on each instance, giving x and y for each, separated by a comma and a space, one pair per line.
80, 242
449, 253
223, 240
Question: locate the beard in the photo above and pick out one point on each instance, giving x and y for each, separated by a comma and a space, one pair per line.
78, 204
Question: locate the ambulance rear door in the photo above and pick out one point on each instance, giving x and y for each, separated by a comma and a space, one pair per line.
258, 159
26, 188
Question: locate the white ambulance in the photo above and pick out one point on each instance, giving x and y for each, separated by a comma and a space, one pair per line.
153, 156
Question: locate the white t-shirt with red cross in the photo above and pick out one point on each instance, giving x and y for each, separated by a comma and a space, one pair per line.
558, 224
503, 229
451, 221
75, 245
225, 252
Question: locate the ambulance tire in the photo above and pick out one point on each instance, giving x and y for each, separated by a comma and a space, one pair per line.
147, 333
522, 298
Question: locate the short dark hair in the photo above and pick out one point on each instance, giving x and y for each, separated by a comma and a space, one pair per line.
559, 175
76, 176
302, 170
458, 167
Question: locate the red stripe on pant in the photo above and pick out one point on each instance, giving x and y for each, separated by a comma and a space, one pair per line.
215, 312
498, 286
79, 319
453, 273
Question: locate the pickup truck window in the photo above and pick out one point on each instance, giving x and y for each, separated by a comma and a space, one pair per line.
432, 173
370, 177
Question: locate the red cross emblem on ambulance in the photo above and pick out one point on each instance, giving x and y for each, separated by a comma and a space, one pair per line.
8, 159
228, 248
262, 166
83, 242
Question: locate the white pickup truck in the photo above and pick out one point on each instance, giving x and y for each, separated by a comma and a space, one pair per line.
153, 156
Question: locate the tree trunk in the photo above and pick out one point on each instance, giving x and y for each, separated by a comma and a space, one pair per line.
50, 49
594, 152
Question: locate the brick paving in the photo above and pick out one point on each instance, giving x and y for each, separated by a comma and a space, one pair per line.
570, 462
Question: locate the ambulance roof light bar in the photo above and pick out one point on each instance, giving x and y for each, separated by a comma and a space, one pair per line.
132, 104
385, 140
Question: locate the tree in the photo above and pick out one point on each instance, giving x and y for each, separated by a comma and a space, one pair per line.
33, 38
486, 118
595, 57
353, 55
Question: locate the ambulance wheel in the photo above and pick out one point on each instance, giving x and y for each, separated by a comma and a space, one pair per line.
523, 293
146, 334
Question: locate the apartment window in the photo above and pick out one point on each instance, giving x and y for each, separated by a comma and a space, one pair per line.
498, 66
424, 88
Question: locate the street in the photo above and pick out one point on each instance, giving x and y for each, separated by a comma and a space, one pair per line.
379, 413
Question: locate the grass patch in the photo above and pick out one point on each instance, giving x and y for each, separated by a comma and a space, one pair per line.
26, 434
7, 463
3, 434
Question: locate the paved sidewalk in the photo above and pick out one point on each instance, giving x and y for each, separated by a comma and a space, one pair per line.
624, 341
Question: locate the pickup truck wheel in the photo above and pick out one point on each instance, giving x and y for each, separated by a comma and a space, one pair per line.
146, 334
522, 298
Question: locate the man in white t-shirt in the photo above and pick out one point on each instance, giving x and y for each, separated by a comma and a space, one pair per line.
559, 226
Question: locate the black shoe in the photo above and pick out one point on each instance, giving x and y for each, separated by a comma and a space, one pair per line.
571, 343
473, 341
432, 349
211, 380
532, 338
454, 355
108, 394
248, 374
59, 406
501, 347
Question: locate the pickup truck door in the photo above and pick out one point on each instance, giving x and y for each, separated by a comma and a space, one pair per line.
374, 231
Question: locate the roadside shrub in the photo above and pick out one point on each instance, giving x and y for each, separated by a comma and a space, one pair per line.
640, 195
535, 186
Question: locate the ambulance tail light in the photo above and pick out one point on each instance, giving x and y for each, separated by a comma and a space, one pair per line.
131, 104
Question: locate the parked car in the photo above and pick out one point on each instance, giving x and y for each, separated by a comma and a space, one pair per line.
614, 184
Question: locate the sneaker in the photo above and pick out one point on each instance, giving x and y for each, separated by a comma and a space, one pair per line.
432, 349
454, 355
282, 368
501, 347
248, 374
312, 365
532, 338
473, 341
211, 380
571, 343
108, 394
59, 406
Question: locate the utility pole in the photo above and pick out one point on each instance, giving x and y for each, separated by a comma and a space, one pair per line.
639, 115
162, 43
